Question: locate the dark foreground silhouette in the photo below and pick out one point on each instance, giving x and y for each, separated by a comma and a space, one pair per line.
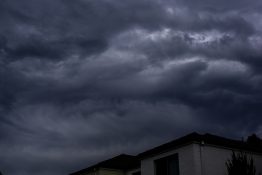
241, 164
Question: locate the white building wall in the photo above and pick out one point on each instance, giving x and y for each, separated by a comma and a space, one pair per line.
196, 159
214, 158
185, 157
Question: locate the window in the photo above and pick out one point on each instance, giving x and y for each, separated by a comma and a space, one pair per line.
167, 165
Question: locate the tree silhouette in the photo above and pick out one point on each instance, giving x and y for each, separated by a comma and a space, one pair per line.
254, 140
240, 164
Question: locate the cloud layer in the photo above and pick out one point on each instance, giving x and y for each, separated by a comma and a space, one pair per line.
83, 80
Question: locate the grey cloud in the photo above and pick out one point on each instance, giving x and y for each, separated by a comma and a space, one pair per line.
222, 6
79, 132
58, 29
83, 80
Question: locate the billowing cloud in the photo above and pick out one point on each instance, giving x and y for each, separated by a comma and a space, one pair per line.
83, 80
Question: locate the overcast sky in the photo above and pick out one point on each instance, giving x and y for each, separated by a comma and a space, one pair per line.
83, 80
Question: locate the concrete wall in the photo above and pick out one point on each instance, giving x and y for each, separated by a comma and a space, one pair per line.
185, 156
210, 160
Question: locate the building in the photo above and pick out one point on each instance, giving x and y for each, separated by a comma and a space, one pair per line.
194, 154
119, 165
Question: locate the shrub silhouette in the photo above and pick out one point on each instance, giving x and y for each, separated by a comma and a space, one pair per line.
240, 164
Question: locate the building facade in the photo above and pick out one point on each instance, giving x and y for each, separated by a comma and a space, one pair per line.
194, 154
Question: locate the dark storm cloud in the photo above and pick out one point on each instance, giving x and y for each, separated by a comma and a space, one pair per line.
63, 28
83, 80
223, 5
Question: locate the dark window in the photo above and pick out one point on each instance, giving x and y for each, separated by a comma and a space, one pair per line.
167, 165
137, 173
